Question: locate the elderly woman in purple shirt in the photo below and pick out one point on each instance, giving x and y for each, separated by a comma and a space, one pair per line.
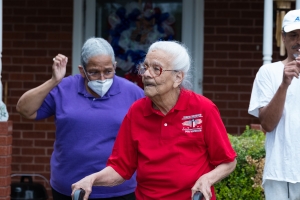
88, 109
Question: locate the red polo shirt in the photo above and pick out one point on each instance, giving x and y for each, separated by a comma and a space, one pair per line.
170, 152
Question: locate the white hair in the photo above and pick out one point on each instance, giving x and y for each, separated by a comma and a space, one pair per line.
94, 47
180, 56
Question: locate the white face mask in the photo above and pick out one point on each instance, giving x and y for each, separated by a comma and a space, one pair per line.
100, 87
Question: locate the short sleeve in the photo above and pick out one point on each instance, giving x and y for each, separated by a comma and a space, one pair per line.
262, 91
47, 108
124, 154
217, 140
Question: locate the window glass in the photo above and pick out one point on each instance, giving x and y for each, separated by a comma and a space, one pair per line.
131, 26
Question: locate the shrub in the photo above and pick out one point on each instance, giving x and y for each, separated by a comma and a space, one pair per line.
244, 183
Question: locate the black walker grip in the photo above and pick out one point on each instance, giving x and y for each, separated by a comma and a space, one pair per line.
79, 194
198, 196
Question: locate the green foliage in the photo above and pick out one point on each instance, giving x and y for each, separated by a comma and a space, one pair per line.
239, 184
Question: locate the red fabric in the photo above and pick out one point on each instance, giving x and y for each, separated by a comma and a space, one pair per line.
135, 78
170, 152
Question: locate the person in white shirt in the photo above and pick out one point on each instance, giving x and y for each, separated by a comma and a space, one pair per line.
275, 100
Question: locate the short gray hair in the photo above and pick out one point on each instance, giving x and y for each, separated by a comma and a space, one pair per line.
96, 46
180, 56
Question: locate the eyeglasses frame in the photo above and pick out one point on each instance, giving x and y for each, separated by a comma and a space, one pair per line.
147, 68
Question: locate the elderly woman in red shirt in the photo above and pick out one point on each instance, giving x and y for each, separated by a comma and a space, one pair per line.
173, 138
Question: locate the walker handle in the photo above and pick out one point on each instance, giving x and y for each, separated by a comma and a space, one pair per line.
79, 194
198, 196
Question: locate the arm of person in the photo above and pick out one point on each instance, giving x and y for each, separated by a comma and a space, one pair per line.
31, 100
270, 115
205, 182
106, 177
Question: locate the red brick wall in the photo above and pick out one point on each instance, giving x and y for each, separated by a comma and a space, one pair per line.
5, 159
34, 31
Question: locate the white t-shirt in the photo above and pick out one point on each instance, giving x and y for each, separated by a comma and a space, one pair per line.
283, 143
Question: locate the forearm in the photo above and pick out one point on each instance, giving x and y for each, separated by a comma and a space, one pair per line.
31, 100
107, 177
270, 115
220, 172
205, 182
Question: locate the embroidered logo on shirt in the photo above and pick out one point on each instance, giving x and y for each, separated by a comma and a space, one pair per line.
192, 123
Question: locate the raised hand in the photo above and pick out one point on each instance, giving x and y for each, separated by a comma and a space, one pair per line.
59, 67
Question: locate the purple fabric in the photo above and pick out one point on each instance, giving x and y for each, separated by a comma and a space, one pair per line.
86, 128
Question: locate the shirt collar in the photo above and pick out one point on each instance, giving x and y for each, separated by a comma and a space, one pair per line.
181, 104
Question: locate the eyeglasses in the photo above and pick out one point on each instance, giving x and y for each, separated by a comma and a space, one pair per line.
155, 71
97, 74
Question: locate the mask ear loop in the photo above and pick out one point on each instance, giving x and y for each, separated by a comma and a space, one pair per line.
85, 74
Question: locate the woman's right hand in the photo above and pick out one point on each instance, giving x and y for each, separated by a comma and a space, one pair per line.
85, 184
59, 67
